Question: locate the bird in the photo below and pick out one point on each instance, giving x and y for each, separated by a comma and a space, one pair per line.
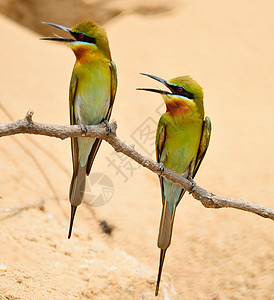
92, 92
182, 138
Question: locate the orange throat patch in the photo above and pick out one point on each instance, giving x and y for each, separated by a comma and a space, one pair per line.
80, 53
177, 108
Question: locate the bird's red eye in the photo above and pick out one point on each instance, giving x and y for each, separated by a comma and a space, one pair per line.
81, 35
180, 89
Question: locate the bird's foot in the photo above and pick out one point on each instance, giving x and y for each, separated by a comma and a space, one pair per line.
193, 185
83, 129
161, 168
108, 127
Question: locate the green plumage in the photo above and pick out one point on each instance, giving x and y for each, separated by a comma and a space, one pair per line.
182, 139
92, 91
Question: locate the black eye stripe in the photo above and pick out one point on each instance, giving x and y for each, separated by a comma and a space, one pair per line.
179, 90
189, 95
79, 36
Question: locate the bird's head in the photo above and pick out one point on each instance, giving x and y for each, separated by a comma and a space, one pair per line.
184, 95
86, 36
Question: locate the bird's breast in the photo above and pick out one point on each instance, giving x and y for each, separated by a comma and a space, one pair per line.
93, 93
181, 144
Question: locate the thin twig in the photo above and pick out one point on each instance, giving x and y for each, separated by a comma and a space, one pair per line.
207, 198
2, 297
28, 119
39, 146
39, 204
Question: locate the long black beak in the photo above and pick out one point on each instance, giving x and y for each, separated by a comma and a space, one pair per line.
58, 38
155, 90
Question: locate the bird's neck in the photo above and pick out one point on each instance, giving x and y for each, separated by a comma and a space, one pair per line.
183, 111
86, 54
176, 108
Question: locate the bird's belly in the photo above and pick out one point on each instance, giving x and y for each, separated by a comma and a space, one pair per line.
91, 105
181, 149
91, 110
93, 96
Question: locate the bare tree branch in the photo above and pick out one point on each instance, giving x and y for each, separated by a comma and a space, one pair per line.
34, 158
2, 297
39, 204
207, 198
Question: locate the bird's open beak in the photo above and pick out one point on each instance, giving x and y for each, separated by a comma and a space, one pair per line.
58, 38
155, 90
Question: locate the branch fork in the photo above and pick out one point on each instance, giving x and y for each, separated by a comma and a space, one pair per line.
101, 131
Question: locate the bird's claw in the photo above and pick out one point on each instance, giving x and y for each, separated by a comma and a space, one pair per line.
83, 129
193, 185
108, 127
161, 168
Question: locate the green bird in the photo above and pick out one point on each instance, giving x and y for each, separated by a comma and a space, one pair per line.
182, 140
91, 96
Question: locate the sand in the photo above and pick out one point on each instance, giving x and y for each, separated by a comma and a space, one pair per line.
227, 46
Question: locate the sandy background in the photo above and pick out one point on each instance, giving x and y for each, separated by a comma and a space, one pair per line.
227, 46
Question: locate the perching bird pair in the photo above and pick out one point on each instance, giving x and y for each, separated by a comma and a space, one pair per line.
182, 136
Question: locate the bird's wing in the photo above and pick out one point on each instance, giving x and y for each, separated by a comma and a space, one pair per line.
205, 138
113, 88
160, 142
114, 81
160, 138
74, 144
